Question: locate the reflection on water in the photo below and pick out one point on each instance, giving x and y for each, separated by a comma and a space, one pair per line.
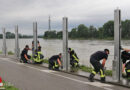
83, 48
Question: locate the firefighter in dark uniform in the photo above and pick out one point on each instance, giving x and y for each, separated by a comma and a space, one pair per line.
74, 60
127, 69
24, 55
125, 56
98, 67
55, 62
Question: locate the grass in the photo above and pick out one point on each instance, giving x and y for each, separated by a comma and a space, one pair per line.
10, 53
108, 72
0, 52
89, 69
8, 86
45, 61
85, 68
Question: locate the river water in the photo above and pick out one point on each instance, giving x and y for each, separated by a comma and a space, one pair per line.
83, 48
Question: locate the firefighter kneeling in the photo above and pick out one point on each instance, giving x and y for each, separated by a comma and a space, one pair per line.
55, 62
38, 57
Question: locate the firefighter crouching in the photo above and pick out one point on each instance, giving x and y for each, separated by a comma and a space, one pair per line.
125, 56
74, 60
55, 62
38, 57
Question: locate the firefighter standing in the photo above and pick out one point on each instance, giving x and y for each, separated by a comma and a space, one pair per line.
98, 67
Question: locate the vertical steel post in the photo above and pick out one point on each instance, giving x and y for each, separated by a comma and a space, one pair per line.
4, 49
17, 49
117, 63
35, 36
66, 61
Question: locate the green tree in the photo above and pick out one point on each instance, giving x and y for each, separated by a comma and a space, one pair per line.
93, 33
100, 33
73, 33
82, 31
108, 29
126, 29
59, 34
50, 34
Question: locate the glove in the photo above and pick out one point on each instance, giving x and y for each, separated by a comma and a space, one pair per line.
29, 61
124, 74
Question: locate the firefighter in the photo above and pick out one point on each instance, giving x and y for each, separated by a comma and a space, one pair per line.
38, 57
24, 55
55, 62
125, 56
38, 44
127, 69
74, 60
98, 67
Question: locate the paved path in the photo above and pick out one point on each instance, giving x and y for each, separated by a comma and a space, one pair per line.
31, 77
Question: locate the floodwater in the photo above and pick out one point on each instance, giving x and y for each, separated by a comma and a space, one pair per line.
83, 48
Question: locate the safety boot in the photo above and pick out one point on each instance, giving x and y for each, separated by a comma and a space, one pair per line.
103, 79
91, 77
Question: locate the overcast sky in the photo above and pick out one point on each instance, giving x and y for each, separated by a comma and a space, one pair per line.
88, 12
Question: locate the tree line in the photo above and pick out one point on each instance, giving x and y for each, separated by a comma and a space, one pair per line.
10, 35
91, 32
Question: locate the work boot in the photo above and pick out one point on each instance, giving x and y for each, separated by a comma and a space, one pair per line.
91, 77
56, 69
103, 80
21, 61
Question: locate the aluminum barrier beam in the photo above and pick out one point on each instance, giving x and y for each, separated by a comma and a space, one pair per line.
66, 59
34, 37
4, 48
117, 63
17, 49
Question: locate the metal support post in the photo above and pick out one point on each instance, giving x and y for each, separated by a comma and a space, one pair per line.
17, 49
66, 58
35, 37
117, 63
4, 49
